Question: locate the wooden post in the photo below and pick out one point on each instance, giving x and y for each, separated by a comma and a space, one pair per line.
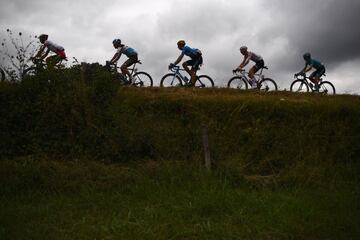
205, 137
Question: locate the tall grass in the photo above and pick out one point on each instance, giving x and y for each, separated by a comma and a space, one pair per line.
285, 165
169, 200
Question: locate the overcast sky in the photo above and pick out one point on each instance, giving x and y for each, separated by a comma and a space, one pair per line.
279, 30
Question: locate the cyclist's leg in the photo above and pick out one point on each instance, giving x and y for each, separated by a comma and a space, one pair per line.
195, 66
197, 63
251, 75
124, 68
314, 77
320, 73
188, 70
52, 61
255, 69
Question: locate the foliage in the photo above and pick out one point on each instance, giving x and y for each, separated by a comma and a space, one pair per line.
15, 54
72, 114
285, 165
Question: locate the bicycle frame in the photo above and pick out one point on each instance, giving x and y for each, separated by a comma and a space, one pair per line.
177, 71
258, 76
133, 70
40, 64
307, 80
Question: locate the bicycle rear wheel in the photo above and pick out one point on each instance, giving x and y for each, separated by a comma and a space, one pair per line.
267, 85
327, 88
2, 75
170, 80
299, 86
204, 81
238, 83
143, 79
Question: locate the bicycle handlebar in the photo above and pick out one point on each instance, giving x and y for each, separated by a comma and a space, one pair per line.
175, 69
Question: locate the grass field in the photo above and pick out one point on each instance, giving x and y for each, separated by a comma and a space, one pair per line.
173, 200
81, 158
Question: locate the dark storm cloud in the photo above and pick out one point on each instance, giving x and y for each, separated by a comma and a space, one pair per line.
327, 28
279, 30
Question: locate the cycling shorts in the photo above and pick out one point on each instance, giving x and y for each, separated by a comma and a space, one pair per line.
195, 62
259, 65
132, 60
318, 73
61, 54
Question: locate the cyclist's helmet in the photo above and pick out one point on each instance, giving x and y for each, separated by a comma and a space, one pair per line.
181, 43
43, 38
307, 56
243, 49
117, 42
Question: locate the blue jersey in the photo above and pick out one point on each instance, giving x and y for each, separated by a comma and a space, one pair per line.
127, 51
190, 52
315, 64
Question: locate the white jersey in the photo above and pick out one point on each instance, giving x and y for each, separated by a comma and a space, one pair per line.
253, 57
53, 47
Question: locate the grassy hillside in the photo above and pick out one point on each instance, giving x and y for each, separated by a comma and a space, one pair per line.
69, 118
82, 158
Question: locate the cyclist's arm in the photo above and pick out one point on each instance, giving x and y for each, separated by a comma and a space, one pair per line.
306, 68
39, 53
115, 58
179, 59
245, 62
45, 55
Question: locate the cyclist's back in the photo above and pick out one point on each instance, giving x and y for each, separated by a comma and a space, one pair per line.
254, 57
314, 63
53, 46
127, 51
191, 52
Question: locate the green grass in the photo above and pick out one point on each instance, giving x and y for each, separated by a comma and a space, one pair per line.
285, 166
173, 200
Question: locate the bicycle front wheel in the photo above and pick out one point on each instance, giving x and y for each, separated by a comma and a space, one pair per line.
170, 80
143, 79
238, 83
268, 85
2, 75
299, 86
327, 88
204, 81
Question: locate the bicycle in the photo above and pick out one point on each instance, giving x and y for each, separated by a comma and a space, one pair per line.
176, 79
139, 79
242, 82
39, 66
302, 83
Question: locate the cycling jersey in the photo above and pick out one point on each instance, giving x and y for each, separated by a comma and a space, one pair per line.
53, 47
253, 57
191, 52
127, 51
315, 64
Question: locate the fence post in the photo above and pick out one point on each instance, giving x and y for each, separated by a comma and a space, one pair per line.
205, 137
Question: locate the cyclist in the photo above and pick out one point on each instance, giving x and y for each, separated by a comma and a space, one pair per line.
250, 56
127, 51
195, 62
50, 46
317, 74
